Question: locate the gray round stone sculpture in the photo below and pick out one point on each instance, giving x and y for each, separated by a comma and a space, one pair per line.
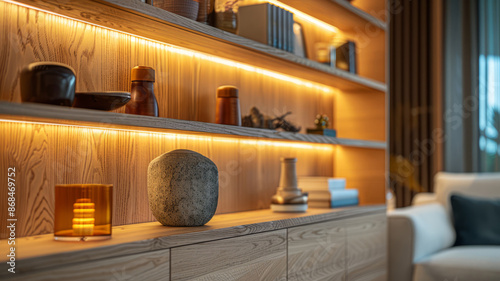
183, 188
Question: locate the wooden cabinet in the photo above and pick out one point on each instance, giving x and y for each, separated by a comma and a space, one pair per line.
252, 257
145, 267
349, 249
317, 251
321, 244
367, 248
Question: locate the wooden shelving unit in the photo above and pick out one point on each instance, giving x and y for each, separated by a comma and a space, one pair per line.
103, 39
101, 119
134, 17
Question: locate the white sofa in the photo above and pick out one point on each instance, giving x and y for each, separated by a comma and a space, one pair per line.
421, 237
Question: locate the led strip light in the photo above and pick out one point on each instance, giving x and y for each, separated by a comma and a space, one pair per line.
188, 52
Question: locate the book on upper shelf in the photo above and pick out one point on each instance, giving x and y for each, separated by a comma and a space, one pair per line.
320, 183
345, 57
267, 24
256, 22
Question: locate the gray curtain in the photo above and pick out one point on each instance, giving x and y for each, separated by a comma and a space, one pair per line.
472, 86
489, 85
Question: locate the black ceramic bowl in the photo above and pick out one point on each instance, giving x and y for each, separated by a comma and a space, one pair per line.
101, 100
48, 82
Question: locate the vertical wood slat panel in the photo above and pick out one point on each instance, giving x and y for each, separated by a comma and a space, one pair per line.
415, 87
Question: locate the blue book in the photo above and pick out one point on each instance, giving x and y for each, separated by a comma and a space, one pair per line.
279, 27
344, 202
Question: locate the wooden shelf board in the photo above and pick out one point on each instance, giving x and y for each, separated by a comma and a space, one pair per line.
341, 14
40, 252
137, 18
94, 118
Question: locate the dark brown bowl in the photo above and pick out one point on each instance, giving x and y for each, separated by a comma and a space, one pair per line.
101, 100
48, 82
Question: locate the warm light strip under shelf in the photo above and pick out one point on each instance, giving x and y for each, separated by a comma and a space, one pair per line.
304, 16
180, 136
187, 52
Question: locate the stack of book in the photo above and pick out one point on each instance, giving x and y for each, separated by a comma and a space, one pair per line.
327, 192
267, 24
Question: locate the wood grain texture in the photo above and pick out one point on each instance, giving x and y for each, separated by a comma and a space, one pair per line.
253, 257
367, 247
185, 90
73, 116
46, 155
340, 14
150, 266
364, 170
150, 22
317, 251
41, 252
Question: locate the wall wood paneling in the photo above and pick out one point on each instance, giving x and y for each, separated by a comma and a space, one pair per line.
248, 170
48, 154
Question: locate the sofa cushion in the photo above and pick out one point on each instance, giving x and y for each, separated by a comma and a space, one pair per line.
476, 220
485, 185
478, 263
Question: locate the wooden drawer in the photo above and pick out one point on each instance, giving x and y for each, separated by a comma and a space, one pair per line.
317, 251
367, 247
144, 267
251, 257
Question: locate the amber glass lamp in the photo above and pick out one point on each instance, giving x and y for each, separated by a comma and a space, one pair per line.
83, 212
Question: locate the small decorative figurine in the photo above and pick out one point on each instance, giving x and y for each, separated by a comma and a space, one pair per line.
289, 198
257, 120
322, 123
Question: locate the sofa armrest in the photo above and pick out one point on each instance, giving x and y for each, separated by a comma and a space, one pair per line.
415, 232
424, 198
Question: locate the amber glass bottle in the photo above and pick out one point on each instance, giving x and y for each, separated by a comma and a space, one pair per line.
228, 106
143, 100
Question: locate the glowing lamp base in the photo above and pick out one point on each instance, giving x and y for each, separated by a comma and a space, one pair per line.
82, 238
